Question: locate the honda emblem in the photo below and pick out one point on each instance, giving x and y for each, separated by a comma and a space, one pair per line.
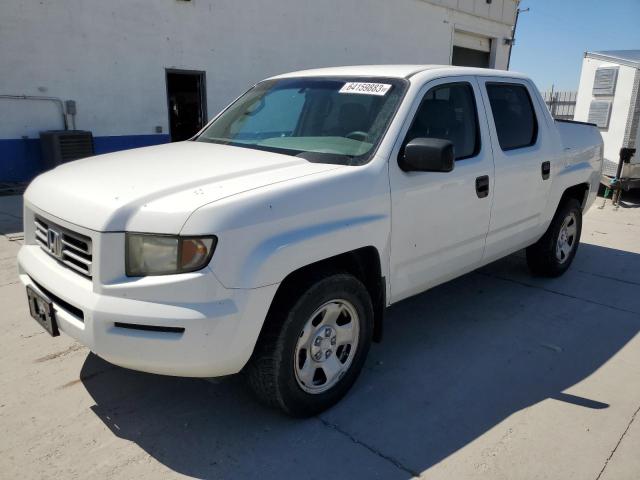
53, 242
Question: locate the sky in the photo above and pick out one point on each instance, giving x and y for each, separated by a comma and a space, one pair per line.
552, 36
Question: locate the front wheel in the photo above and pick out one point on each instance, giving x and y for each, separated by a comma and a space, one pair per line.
310, 354
553, 253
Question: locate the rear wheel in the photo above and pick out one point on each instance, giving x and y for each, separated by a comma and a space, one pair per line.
311, 352
552, 255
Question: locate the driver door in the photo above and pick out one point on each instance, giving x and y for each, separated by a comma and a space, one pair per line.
439, 221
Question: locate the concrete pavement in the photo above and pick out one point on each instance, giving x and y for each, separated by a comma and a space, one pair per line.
495, 375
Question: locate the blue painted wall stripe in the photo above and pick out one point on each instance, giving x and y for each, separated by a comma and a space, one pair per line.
20, 159
124, 142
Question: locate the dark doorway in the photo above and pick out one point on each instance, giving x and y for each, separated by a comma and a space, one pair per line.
186, 97
466, 57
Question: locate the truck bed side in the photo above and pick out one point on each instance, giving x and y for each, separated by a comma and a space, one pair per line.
580, 163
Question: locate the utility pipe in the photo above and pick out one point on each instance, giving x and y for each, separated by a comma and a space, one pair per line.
36, 97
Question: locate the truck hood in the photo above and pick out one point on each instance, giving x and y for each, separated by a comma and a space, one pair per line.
155, 189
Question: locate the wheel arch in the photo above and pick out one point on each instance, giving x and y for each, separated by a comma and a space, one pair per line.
580, 192
363, 263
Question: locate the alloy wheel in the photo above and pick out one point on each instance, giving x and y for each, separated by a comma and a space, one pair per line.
326, 346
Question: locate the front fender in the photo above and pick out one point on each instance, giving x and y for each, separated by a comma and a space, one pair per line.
274, 258
266, 234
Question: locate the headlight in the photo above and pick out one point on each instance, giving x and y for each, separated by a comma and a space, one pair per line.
149, 254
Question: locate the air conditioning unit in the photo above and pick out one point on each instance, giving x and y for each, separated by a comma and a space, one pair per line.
61, 146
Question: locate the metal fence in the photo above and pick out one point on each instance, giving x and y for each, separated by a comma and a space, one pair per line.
561, 104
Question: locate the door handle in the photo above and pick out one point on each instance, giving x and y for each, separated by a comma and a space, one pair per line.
545, 169
482, 186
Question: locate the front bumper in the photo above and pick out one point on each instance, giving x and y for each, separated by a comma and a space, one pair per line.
220, 325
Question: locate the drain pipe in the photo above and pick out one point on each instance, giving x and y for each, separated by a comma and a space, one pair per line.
46, 99
512, 40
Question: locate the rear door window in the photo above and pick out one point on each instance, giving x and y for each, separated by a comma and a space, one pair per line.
513, 115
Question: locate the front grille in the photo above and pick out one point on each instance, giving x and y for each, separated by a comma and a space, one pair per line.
70, 248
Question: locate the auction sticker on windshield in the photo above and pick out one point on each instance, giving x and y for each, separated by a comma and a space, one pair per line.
380, 89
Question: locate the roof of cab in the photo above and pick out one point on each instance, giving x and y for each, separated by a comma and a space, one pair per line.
395, 71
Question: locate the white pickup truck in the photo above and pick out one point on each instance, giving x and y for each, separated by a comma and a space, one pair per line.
271, 243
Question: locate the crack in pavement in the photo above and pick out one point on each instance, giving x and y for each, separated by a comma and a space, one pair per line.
599, 275
73, 348
87, 377
528, 285
376, 452
633, 417
11, 237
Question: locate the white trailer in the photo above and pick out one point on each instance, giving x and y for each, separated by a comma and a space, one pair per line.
609, 96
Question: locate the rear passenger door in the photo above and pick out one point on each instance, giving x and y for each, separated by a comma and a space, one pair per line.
520, 140
439, 220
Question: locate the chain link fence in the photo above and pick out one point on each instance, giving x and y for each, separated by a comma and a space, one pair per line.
561, 104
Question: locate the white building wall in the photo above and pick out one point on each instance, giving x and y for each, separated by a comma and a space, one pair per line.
110, 56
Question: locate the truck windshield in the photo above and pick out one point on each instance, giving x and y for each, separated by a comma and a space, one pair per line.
325, 120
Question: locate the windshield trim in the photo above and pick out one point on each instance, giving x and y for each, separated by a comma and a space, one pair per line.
401, 83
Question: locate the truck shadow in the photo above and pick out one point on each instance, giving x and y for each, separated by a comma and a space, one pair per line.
454, 363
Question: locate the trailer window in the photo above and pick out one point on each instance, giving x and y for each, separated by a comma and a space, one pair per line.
513, 115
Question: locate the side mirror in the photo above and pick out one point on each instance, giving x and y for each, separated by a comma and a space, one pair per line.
427, 155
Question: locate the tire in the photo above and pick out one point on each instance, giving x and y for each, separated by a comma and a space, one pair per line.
282, 372
552, 255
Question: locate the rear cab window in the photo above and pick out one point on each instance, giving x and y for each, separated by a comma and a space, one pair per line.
513, 115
